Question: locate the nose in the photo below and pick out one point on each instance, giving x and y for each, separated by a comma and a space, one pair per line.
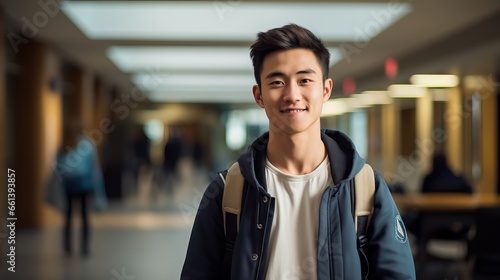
292, 93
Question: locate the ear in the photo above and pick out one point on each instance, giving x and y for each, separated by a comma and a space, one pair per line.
327, 89
257, 95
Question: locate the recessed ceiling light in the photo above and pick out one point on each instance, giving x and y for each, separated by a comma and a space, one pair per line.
434, 80
154, 59
335, 107
209, 95
374, 97
187, 82
229, 20
406, 91
130, 59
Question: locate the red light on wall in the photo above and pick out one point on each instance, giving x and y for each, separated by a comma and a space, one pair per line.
391, 67
348, 86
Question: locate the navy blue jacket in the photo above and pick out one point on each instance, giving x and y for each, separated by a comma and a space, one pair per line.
388, 250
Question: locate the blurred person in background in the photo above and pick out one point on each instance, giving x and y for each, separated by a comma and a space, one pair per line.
76, 177
141, 153
172, 153
443, 179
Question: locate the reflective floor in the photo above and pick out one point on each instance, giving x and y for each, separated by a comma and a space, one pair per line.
141, 237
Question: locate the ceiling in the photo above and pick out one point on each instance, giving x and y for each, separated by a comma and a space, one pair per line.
424, 36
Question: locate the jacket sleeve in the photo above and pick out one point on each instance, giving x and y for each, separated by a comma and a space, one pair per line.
206, 245
388, 248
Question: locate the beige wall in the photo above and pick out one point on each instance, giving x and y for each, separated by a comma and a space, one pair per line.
390, 141
489, 142
81, 96
454, 130
36, 133
374, 157
52, 129
425, 137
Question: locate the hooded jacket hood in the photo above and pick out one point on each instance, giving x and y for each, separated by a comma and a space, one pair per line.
346, 165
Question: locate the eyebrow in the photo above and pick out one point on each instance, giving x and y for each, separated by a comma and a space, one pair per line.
279, 74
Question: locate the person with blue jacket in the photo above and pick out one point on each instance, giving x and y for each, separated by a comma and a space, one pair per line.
296, 220
76, 179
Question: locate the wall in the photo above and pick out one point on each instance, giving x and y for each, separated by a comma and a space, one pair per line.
37, 117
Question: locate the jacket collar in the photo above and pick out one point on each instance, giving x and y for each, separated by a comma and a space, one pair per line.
345, 162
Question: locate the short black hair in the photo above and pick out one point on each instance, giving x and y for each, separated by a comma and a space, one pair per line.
291, 36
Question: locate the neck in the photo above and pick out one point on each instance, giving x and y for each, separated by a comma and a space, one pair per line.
297, 154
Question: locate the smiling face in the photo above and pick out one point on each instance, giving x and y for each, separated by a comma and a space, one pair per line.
292, 91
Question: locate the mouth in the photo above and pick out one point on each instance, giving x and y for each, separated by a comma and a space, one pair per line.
292, 110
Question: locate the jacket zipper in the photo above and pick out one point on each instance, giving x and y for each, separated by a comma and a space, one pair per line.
263, 240
328, 234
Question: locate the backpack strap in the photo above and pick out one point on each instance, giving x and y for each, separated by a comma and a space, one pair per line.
362, 193
231, 199
364, 185
231, 211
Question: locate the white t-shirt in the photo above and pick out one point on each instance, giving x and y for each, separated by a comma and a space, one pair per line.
292, 248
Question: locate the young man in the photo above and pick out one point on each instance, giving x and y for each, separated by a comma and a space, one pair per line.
296, 220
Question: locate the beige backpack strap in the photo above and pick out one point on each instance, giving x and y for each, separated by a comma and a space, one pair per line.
233, 192
364, 184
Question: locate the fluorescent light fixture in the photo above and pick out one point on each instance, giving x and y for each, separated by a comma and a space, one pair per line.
196, 88
341, 106
202, 96
190, 82
435, 80
374, 97
335, 107
206, 88
229, 20
406, 91
354, 103
156, 59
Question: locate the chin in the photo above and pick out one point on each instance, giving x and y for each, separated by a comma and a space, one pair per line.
287, 129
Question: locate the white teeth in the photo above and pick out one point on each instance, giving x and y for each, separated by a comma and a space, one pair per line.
294, 111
